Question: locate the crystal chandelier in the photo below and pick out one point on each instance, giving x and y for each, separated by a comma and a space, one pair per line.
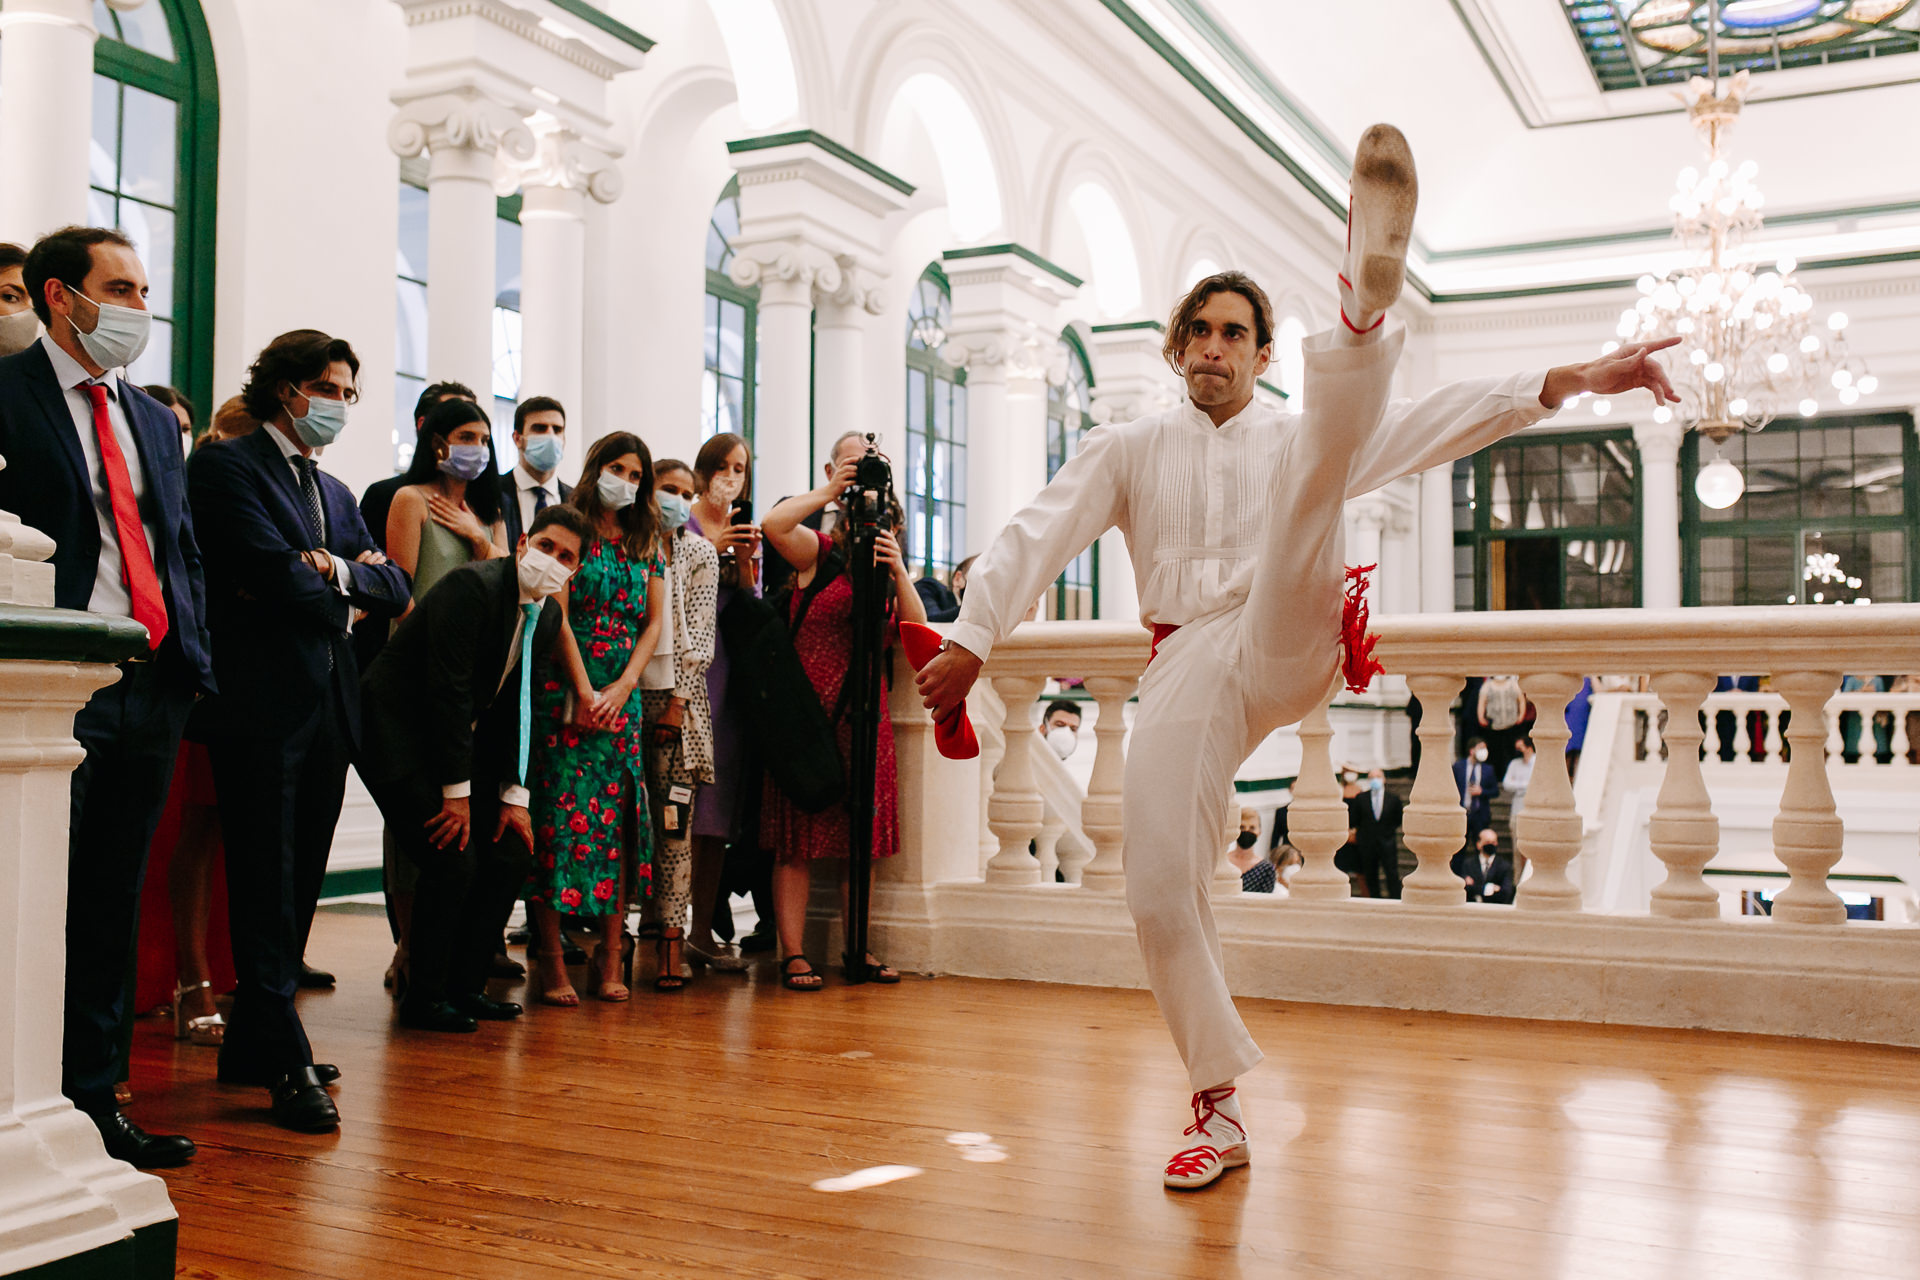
1750, 348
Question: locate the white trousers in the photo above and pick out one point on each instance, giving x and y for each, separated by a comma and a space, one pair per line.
1220, 685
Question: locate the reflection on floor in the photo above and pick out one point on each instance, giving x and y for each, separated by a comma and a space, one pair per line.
681, 1135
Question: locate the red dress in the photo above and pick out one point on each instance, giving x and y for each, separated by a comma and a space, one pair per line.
825, 644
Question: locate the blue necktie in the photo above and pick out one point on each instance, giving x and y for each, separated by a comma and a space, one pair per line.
531, 613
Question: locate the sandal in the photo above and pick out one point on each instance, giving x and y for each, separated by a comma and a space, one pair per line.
611, 990
873, 969
562, 996
209, 1030
793, 981
668, 948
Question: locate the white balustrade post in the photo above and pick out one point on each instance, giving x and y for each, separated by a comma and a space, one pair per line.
1317, 817
1548, 828
1808, 833
46, 116
1100, 812
1683, 829
1436, 824
1016, 813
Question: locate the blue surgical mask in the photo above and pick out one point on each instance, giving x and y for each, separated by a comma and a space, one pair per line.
465, 461
542, 452
324, 422
1376, 784
674, 509
615, 492
118, 337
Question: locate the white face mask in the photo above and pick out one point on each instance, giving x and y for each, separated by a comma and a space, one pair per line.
18, 331
1480, 754
618, 494
540, 574
118, 337
723, 489
1063, 740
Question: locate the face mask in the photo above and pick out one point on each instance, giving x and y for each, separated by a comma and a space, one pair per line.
674, 509
1063, 740
118, 337
540, 574
542, 452
615, 492
726, 488
465, 461
1376, 784
1480, 754
1246, 838
18, 331
324, 422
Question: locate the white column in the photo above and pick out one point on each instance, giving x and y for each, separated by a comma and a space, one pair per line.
1369, 520
842, 305
1436, 539
781, 431
1659, 444
464, 135
1006, 430
46, 115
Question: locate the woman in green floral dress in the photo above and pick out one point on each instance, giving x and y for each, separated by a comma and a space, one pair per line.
588, 774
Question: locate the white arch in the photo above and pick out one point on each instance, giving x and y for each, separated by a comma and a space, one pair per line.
1197, 270
960, 149
1116, 265
757, 47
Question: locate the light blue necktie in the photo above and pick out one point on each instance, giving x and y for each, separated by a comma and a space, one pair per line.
532, 617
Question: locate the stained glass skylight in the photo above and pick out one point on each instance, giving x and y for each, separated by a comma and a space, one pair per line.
1634, 43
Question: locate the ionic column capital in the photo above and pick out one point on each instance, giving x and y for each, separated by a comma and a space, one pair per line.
1658, 441
565, 161
463, 120
840, 282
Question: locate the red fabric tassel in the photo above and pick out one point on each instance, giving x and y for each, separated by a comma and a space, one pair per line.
1358, 662
953, 737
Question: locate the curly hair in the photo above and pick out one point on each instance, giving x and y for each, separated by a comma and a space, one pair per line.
1180, 324
291, 359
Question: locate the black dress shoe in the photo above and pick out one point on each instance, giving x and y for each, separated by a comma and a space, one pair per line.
504, 966
477, 1006
438, 1016
301, 1103
127, 1141
757, 941
325, 1072
314, 979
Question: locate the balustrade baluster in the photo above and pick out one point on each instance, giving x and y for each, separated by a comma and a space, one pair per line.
1016, 813
1747, 742
1656, 736
1775, 751
1807, 834
1100, 811
1836, 748
1683, 830
1548, 828
984, 705
1902, 741
1435, 824
1317, 816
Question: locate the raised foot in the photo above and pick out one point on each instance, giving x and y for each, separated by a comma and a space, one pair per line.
1385, 191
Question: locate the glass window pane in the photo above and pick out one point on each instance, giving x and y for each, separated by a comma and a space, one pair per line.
413, 232
410, 349
104, 21
103, 162
506, 264
916, 463
711, 346
406, 393
957, 430
916, 401
156, 362
958, 478
942, 408
146, 28
1463, 494
733, 405
710, 423
149, 145
733, 339
100, 208
506, 354
152, 232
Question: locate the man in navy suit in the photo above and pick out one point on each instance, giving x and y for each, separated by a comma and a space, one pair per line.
95, 463
1477, 784
289, 562
534, 484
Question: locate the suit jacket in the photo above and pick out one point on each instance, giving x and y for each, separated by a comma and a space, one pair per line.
275, 620
938, 599
443, 697
45, 483
376, 503
1377, 837
1494, 885
510, 506
1479, 808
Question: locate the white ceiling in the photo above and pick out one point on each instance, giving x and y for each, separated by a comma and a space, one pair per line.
1546, 155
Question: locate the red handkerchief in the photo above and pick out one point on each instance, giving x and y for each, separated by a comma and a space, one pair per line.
954, 736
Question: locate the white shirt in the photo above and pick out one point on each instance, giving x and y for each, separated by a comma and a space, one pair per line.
1191, 499
342, 582
510, 792
110, 594
524, 483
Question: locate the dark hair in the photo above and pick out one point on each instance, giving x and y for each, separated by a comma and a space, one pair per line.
67, 256
1475, 742
172, 398
1180, 325
964, 565
640, 521
11, 255
442, 421
538, 404
568, 517
1062, 704
439, 391
663, 466
713, 455
292, 358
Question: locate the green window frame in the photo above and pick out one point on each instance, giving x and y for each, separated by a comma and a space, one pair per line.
1076, 593
731, 343
150, 64
936, 471
1574, 496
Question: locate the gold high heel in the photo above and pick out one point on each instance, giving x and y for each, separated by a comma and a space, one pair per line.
210, 1030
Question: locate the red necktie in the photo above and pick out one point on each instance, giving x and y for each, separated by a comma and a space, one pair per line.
136, 559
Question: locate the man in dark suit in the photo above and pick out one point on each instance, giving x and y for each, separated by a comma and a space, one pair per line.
1488, 873
540, 440
288, 564
95, 463
446, 761
1477, 784
1374, 816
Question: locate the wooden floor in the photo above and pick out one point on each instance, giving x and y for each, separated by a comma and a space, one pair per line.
680, 1136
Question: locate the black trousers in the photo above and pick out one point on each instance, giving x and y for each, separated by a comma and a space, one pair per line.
130, 731
279, 803
463, 900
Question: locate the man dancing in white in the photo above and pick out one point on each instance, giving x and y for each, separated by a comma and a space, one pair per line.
1232, 516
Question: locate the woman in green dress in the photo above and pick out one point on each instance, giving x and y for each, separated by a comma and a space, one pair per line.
588, 774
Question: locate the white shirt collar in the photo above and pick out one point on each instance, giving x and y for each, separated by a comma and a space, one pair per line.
1194, 415
526, 480
288, 449
68, 372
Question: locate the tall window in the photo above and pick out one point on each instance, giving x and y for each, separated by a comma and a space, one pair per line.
156, 123
936, 472
411, 374
1548, 522
1069, 416
732, 341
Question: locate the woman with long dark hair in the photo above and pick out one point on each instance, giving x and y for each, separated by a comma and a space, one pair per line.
588, 774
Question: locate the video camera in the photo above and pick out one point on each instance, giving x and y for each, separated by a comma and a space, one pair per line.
864, 502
